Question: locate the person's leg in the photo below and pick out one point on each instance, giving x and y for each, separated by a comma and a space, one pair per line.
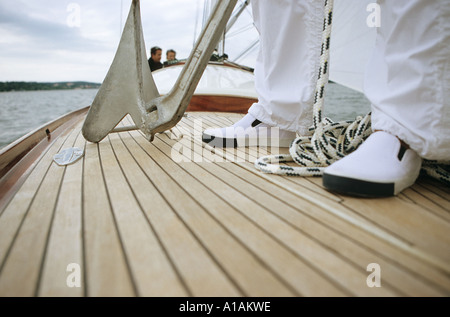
408, 83
287, 67
288, 62
408, 80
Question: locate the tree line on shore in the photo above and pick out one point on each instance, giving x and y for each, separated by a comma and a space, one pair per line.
25, 86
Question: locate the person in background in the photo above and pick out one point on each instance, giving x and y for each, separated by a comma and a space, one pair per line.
155, 58
171, 55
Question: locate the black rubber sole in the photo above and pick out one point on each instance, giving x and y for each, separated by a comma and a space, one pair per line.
356, 187
219, 142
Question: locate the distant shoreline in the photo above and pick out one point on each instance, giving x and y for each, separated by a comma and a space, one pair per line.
33, 86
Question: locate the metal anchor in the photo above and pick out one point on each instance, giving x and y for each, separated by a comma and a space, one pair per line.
129, 88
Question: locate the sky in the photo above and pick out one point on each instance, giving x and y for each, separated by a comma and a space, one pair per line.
76, 40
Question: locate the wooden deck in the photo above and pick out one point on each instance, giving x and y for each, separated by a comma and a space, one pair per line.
139, 222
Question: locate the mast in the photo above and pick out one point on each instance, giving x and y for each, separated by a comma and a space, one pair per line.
238, 13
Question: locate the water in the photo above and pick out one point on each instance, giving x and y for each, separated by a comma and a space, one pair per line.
24, 111
342, 103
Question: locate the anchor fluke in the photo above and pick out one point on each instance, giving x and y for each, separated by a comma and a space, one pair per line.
170, 108
129, 87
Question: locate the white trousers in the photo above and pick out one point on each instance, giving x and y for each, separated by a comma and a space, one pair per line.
407, 78
287, 66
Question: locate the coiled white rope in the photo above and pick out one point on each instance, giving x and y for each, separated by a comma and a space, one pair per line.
330, 140
439, 170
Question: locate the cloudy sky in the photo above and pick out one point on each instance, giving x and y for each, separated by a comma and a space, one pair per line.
70, 40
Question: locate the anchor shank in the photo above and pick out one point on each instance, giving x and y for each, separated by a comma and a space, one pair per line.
171, 107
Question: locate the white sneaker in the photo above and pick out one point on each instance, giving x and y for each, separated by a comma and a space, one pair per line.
248, 132
380, 167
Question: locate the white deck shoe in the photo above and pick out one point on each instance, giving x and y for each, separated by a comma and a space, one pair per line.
380, 167
248, 132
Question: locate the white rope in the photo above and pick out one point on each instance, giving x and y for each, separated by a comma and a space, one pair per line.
439, 170
330, 140
329, 143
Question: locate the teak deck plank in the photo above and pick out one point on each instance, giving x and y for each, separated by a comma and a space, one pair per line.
331, 233
65, 245
253, 237
106, 269
433, 202
11, 216
420, 228
248, 273
176, 217
306, 249
20, 271
195, 267
150, 268
437, 279
419, 287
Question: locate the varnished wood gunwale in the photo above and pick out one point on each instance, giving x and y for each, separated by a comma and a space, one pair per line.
202, 103
17, 158
12, 153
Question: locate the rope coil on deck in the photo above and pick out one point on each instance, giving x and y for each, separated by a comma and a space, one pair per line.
330, 141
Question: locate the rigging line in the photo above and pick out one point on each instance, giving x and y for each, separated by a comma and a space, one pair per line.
241, 30
206, 12
247, 50
196, 22
121, 15
236, 15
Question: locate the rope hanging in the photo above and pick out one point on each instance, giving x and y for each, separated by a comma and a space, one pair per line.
330, 141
